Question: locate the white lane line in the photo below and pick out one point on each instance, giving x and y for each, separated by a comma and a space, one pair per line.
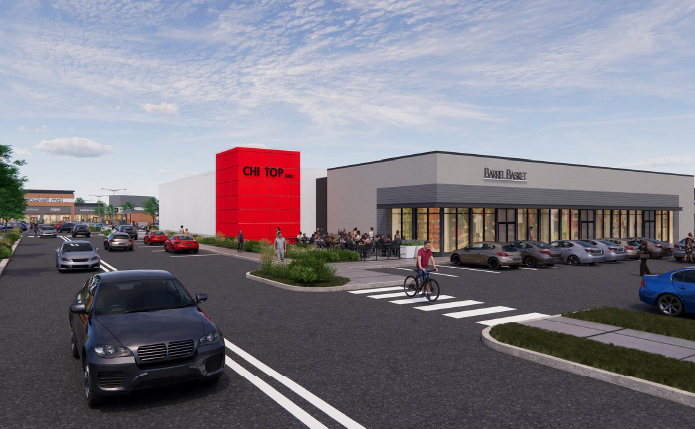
554, 268
31, 236
478, 312
441, 274
433, 273
108, 266
276, 396
470, 269
448, 305
104, 268
380, 289
310, 397
388, 295
419, 300
519, 318
192, 256
532, 269
158, 251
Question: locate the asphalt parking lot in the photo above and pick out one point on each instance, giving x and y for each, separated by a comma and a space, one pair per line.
377, 363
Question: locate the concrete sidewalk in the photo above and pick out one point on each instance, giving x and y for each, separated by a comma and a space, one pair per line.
652, 343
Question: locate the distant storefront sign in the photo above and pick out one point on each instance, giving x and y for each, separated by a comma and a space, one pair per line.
51, 200
508, 175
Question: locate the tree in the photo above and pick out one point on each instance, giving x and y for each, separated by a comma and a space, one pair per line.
12, 201
126, 207
151, 207
79, 200
100, 210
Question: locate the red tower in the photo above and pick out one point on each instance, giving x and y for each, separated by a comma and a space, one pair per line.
257, 191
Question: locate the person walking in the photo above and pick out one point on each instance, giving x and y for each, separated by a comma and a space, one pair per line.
181, 230
643, 256
371, 233
689, 247
280, 247
240, 240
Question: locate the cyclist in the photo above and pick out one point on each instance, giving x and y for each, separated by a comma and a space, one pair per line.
424, 256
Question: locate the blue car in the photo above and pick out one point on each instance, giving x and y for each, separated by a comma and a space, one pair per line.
673, 293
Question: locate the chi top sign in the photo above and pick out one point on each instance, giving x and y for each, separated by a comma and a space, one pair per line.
507, 175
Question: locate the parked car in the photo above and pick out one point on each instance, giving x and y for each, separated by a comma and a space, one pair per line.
657, 249
58, 225
631, 246
77, 255
578, 252
97, 225
181, 242
130, 230
13, 225
679, 250
139, 329
155, 237
535, 253
47, 231
118, 240
81, 229
66, 227
488, 253
612, 251
673, 293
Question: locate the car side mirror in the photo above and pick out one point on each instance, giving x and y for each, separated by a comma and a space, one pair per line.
201, 297
78, 308
57, 250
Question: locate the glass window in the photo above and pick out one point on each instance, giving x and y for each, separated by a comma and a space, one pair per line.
658, 225
433, 230
606, 224
638, 223
395, 222
616, 224
670, 226
623, 223
407, 232
477, 225
564, 224
521, 226
421, 224
534, 228
462, 228
543, 226
554, 224
630, 223
502, 215
489, 224
575, 225
449, 230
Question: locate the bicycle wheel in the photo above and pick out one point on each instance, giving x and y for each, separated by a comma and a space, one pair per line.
434, 290
410, 286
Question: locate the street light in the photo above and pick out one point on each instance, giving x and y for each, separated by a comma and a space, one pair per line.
114, 190
99, 201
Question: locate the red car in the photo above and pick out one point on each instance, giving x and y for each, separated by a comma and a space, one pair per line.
155, 237
179, 242
58, 225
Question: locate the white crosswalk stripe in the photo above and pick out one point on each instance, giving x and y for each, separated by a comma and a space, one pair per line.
380, 289
419, 300
446, 305
478, 312
510, 319
387, 295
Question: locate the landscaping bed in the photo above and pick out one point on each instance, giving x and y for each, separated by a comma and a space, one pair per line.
6, 243
647, 322
619, 360
335, 281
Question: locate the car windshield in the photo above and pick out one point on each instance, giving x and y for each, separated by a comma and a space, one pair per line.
583, 243
509, 248
185, 237
542, 245
141, 295
127, 228
158, 233
81, 226
46, 227
77, 247
608, 243
633, 243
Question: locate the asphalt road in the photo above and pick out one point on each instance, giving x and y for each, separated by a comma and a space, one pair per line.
380, 364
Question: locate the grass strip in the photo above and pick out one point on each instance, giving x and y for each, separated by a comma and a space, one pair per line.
336, 281
620, 360
639, 321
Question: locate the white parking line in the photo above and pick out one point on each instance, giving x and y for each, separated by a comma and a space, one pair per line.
296, 388
478, 312
379, 289
448, 305
419, 300
470, 269
276, 396
104, 268
158, 251
532, 269
108, 266
519, 318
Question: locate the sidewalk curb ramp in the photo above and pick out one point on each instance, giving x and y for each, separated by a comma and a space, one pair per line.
643, 386
4, 262
321, 289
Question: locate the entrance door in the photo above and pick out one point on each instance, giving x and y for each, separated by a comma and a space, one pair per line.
506, 225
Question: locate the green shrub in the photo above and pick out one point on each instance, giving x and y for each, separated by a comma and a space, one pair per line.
5, 252
302, 273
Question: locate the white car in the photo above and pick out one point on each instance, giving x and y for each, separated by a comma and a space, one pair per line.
47, 231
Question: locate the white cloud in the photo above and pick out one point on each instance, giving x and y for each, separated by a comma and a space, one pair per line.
164, 171
664, 161
20, 152
41, 129
162, 108
77, 147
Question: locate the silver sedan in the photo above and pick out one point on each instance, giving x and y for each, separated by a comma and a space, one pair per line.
579, 252
77, 255
47, 231
613, 252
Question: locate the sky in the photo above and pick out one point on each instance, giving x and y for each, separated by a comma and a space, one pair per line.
131, 94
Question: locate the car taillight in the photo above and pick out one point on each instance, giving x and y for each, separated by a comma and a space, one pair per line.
545, 252
112, 240
642, 284
589, 250
130, 241
629, 248
612, 248
658, 246
502, 254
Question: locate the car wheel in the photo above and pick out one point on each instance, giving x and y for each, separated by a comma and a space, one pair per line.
93, 400
669, 305
73, 345
195, 250
493, 264
530, 262
573, 260
456, 259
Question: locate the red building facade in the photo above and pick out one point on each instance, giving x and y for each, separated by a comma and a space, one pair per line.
258, 190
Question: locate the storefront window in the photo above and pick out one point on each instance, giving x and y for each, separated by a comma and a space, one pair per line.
564, 224
638, 225
599, 223
490, 225
543, 227
631, 224
623, 223
616, 224
449, 230
421, 224
477, 225
407, 224
462, 226
521, 225
657, 231
575, 225
606, 224
433, 229
395, 222
670, 227
554, 224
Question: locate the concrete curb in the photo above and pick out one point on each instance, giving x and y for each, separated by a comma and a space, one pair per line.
346, 287
210, 248
4, 262
643, 386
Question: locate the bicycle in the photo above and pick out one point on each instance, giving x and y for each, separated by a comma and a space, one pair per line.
412, 285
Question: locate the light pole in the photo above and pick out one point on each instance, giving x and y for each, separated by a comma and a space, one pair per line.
113, 215
99, 201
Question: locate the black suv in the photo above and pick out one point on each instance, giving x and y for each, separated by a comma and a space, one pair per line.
81, 229
66, 227
130, 230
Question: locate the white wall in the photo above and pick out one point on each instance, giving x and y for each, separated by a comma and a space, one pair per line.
308, 178
189, 202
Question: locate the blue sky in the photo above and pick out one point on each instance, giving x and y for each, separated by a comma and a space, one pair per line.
130, 94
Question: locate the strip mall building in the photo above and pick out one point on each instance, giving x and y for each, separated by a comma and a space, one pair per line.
451, 199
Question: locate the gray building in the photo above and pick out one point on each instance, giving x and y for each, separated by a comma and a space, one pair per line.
453, 199
137, 215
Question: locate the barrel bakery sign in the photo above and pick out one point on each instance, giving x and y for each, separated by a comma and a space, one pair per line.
508, 175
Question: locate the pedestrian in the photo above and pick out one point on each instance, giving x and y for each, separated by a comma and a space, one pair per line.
186, 231
280, 247
240, 240
181, 230
371, 233
643, 256
530, 233
689, 247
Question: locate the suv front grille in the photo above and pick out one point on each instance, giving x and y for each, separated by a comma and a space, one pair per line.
152, 352
214, 363
110, 379
180, 348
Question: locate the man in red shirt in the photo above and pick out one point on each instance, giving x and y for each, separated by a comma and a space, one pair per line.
424, 255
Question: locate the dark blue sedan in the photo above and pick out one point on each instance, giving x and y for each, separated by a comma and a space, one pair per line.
673, 293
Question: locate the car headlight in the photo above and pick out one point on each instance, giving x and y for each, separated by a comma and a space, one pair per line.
94, 258
108, 351
209, 338
64, 259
